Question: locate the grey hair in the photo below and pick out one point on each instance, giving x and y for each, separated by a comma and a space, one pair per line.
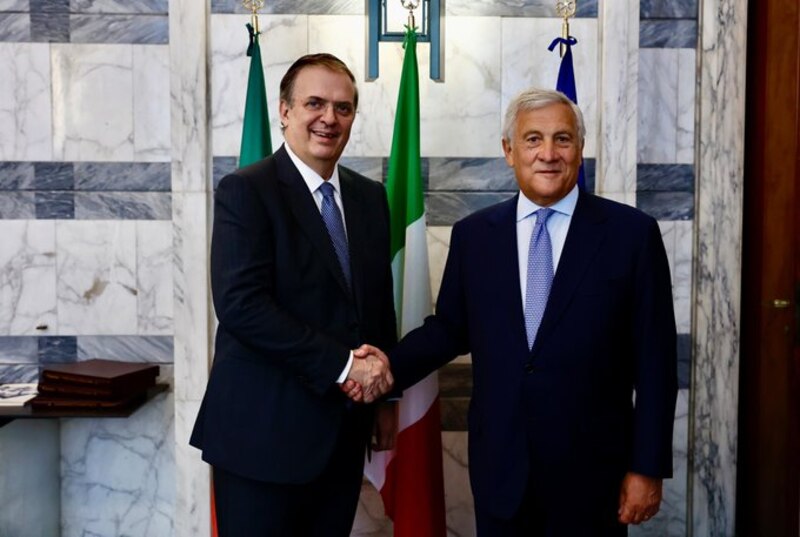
535, 98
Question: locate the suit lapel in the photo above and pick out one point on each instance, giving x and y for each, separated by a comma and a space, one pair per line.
353, 205
307, 214
504, 248
584, 238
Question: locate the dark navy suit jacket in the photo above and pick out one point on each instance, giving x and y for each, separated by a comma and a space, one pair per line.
287, 320
563, 413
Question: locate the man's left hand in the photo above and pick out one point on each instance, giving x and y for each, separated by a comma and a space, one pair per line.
639, 498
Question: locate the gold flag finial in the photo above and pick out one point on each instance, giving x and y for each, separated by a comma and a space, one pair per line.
254, 6
565, 9
410, 5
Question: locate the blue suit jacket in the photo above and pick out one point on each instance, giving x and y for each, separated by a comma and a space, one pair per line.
563, 410
287, 321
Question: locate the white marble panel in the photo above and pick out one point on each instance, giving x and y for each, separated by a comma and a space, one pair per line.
687, 83
371, 519
29, 480
468, 102
92, 102
527, 63
193, 501
27, 277
154, 277
284, 38
118, 474
96, 287
151, 135
619, 64
682, 275
192, 300
658, 103
718, 264
25, 111
438, 247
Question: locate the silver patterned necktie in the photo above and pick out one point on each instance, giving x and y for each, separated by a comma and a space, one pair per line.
540, 275
333, 221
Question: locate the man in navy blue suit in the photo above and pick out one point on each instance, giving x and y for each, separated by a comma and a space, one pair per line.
300, 275
564, 301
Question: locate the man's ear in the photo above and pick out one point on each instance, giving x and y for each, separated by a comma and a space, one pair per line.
283, 110
508, 152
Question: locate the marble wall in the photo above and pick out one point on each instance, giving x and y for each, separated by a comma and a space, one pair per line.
117, 118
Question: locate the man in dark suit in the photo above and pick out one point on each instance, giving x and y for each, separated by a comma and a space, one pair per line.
564, 300
300, 275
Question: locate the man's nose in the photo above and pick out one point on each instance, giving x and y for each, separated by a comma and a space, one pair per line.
547, 151
329, 114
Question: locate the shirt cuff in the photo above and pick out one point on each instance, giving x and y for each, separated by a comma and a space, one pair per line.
346, 370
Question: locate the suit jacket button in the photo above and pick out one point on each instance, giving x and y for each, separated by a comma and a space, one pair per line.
529, 368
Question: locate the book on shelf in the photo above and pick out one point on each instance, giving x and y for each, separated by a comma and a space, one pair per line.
16, 394
114, 378
54, 403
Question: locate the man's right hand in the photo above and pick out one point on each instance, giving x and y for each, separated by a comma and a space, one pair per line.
369, 377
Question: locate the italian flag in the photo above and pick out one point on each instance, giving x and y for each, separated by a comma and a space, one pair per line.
409, 477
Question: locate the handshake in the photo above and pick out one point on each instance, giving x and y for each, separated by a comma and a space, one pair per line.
370, 377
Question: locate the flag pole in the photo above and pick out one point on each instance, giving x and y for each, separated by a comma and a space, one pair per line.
565, 9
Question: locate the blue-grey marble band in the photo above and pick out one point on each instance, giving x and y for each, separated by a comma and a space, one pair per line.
19, 350
55, 205
120, 6
222, 166
372, 167
54, 176
665, 177
666, 205
123, 206
684, 360
17, 205
49, 6
50, 27
17, 176
150, 349
135, 29
678, 33
15, 27
291, 7
516, 8
15, 5
668, 9
123, 176
13, 374
57, 349
447, 208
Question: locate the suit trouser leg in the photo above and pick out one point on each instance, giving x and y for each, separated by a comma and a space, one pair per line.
324, 507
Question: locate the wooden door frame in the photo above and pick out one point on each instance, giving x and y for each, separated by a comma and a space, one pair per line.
768, 481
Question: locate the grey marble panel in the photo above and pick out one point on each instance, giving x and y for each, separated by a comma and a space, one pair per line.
515, 8
16, 176
679, 33
119, 6
666, 205
54, 176
19, 349
123, 176
17, 205
123, 205
58, 349
222, 167
50, 27
446, 208
372, 167
55, 205
150, 349
589, 166
49, 6
15, 27
684, 360
665, 177
19, 373
471, 174
15, 5
300, 7
138, 29
668, 9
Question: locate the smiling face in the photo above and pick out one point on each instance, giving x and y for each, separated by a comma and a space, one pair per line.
319, 116
545, 152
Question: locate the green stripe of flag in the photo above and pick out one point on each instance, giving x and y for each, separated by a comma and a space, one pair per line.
404, 176
256, 139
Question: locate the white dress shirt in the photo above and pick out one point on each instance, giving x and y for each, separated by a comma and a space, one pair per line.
557, 226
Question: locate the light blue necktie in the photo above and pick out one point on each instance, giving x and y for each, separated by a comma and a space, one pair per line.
333, 221
540, 274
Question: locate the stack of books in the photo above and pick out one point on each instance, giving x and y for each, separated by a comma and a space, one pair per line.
94, 384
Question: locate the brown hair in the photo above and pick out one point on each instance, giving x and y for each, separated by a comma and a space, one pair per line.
323, 59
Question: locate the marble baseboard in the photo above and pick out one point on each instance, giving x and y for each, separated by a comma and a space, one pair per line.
677, 33
515, 8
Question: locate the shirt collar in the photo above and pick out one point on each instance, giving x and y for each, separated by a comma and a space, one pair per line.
312, 179
565, 205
